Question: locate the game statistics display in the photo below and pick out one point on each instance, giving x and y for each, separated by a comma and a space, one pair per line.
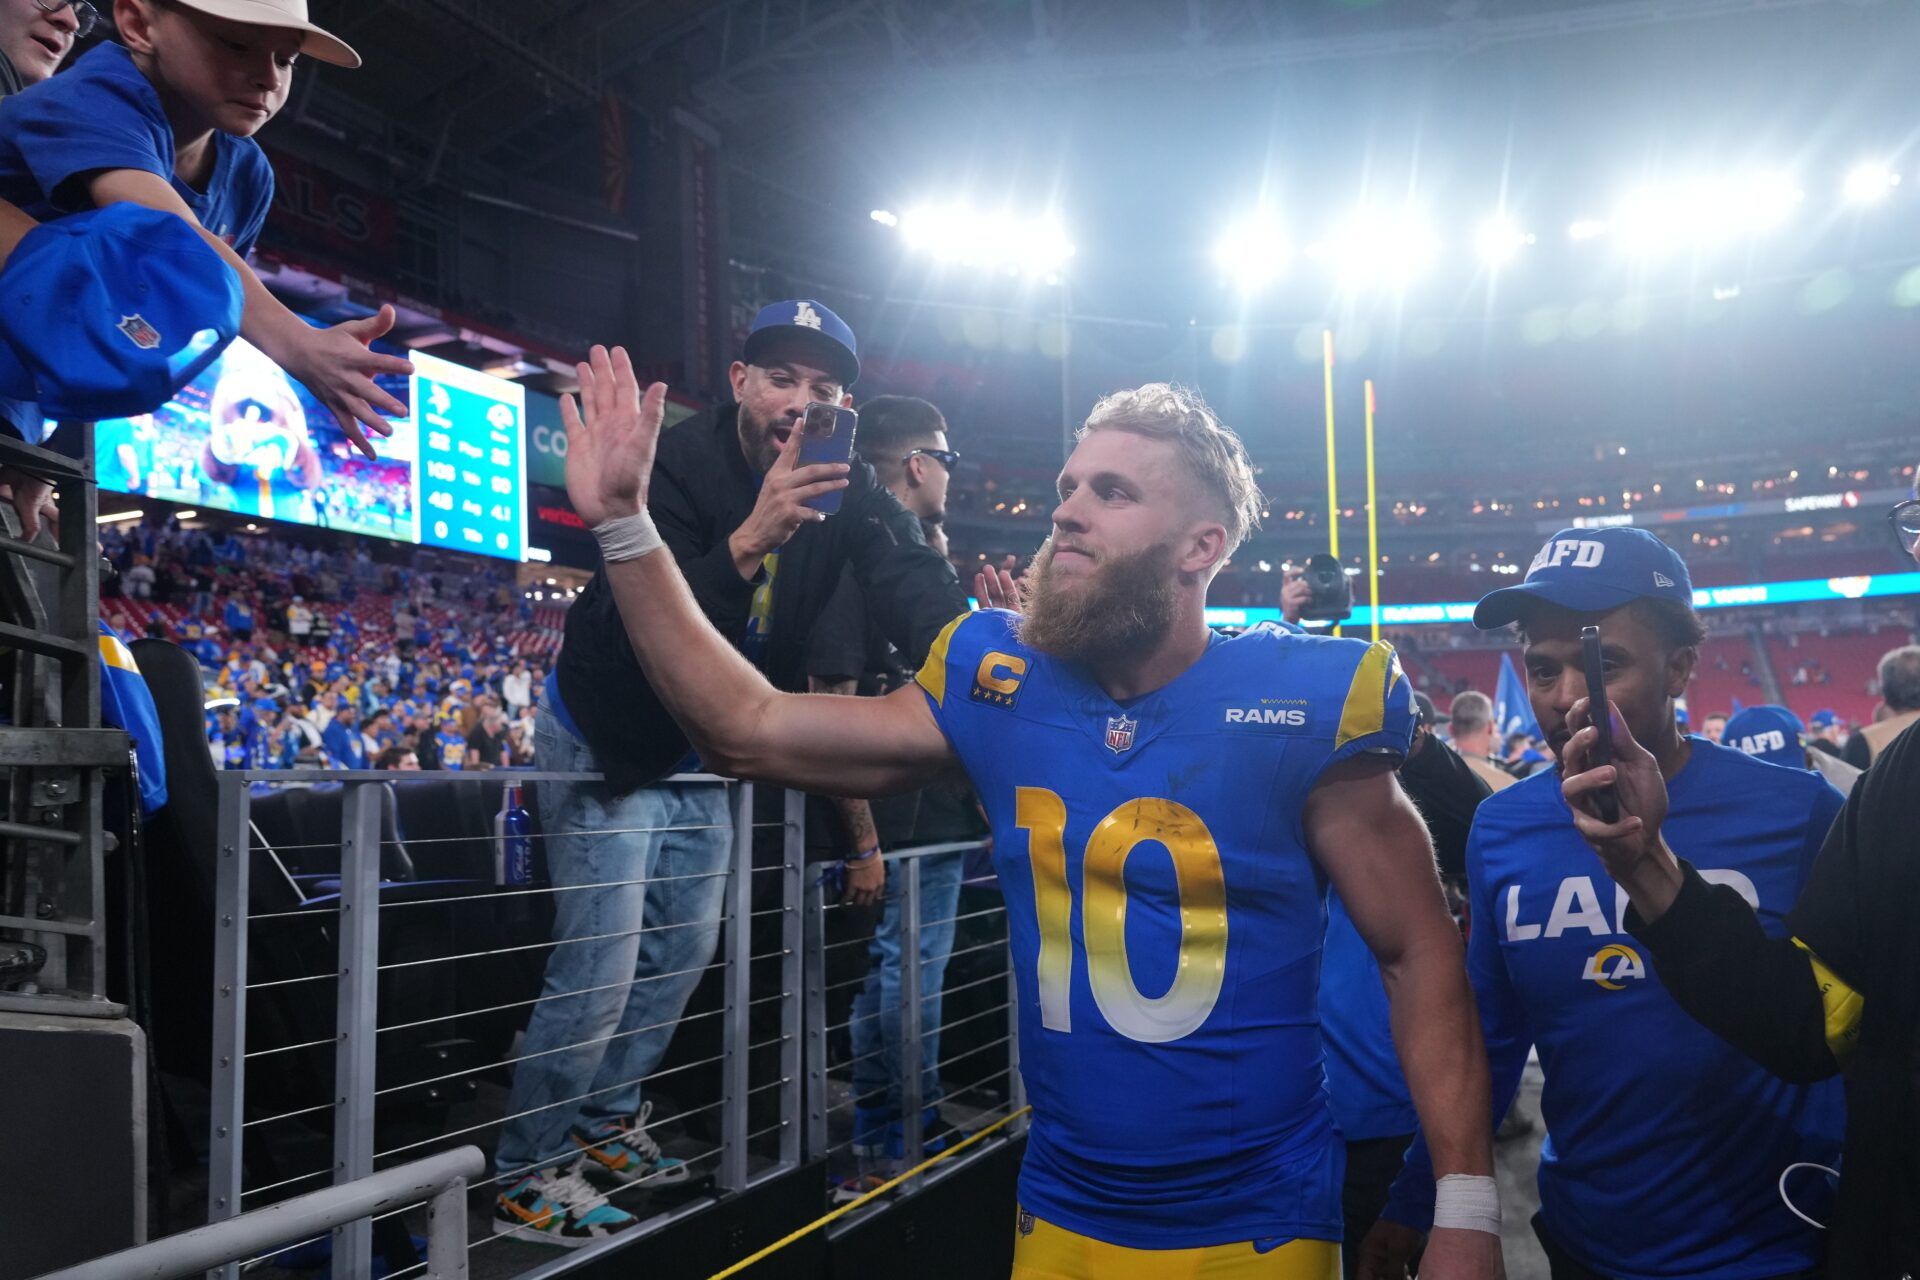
244, 437
470, 485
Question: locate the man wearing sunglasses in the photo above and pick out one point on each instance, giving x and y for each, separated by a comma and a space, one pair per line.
1842, 992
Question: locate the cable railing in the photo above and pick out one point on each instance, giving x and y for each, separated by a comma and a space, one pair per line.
367, 1014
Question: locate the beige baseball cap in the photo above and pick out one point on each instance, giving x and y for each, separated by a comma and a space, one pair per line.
288, 14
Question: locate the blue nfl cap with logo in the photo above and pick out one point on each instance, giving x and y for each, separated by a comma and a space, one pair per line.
1767, 732
809, 322
106, 314
1825, 718
1591, 571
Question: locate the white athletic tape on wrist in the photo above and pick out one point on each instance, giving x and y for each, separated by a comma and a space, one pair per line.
627, 537
1467, 1201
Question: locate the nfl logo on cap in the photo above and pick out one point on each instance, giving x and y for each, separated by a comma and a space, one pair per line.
1120, 733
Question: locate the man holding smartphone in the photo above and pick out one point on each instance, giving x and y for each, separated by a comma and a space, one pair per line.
1666, 1143
732, 507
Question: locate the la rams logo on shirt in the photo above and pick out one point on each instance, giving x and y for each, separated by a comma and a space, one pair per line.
1270, 713
1613, 965
997, 679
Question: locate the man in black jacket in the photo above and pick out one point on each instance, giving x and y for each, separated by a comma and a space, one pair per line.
1842, 992
762, 565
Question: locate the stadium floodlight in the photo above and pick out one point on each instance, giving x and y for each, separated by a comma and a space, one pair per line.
1380, 250
1032, 244
1253, 253
1869, 183
885, 217
1499, 241
1704, 212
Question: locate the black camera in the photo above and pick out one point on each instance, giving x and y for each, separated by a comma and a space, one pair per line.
1332, 598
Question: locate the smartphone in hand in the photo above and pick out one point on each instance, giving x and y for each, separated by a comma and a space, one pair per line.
1601, 714
826, 435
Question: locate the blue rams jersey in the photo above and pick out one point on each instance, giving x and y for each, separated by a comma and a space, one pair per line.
1666, 1143
1165, 920
1366, 1089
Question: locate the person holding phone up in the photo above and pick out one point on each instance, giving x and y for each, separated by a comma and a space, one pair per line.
1835, 989
1666, 1144
740, 515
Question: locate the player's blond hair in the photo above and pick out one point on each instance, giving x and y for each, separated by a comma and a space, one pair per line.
1211, 450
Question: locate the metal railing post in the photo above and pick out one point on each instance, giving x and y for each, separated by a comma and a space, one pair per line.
447, 1233
739, 952
907, 902
814, 976
232, 864
793, 872
355, 1012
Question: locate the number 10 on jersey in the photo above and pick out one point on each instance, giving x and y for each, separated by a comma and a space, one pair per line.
1201, 967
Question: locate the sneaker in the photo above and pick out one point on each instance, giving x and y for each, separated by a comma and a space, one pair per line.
628, 1153
851, 1188
558, 1206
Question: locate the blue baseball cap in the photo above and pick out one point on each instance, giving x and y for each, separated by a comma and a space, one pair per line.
1591, 571
1769, 733
107, 313
811, 323
1825, 718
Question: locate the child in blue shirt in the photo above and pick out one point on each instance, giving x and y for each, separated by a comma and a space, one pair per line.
166, 120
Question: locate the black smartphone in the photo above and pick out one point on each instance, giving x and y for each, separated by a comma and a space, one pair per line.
1601, 714
826, 435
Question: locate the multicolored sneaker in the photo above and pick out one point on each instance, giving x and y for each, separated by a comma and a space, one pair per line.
558, 1206
628, 1153
851, 1188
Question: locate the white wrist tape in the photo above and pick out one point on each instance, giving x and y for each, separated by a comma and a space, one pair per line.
627, 537
1468, 1202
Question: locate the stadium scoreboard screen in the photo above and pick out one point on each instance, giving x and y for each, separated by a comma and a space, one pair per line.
471, 481
246, 438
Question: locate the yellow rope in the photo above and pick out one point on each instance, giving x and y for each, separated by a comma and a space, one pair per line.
880, 1190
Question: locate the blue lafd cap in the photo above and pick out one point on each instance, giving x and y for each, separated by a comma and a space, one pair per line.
1591, 571
811, 323
1769, 733
107, 313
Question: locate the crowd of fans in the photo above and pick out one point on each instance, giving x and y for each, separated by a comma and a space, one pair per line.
325, 658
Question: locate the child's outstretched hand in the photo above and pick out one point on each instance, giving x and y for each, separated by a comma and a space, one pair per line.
336, 365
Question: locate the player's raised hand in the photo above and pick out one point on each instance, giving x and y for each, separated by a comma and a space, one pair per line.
1631, 847
995, 588
611, 437
337, 366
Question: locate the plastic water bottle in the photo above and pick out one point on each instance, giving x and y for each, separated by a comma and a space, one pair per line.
512, 842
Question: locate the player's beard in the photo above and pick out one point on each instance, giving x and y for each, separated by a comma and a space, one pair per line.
1125, 607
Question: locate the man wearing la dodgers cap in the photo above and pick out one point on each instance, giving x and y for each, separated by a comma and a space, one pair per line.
729, 499
1666, 1142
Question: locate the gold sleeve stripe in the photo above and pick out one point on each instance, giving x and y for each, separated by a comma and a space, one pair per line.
1842, 1003
933, 672
116, 654
1365, 711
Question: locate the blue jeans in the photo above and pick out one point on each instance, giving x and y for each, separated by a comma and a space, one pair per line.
875, 1028
592, 1043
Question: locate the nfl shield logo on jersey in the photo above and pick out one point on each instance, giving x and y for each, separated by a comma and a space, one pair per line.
1120, 733
139, 332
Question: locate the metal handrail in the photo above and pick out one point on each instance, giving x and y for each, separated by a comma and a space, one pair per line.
440, 1179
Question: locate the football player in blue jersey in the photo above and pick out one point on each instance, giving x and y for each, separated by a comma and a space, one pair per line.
1169, 808
1666, 1145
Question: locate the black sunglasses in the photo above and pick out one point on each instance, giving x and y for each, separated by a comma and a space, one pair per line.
1905, 519
948, 458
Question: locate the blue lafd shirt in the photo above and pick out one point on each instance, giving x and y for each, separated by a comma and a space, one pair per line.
1665, 1143
101, 113
1166, 920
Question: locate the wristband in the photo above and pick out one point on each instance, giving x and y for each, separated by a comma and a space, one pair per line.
863, 857
1467, 1202
627, 537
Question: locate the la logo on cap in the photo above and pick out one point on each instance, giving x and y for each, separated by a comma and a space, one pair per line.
806, 315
